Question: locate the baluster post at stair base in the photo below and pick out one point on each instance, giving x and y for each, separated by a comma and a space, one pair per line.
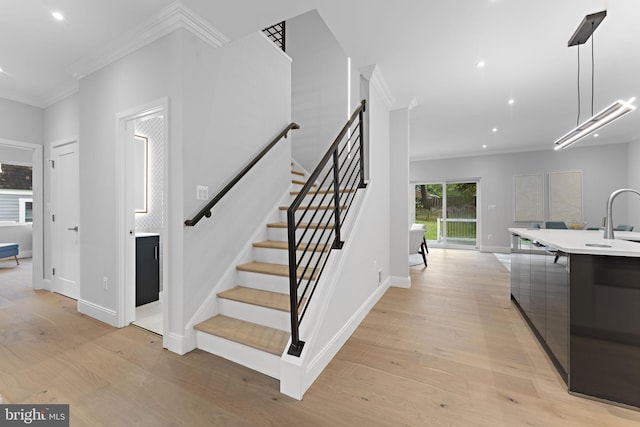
296, 350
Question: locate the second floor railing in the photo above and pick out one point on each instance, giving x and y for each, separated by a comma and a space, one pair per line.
315, 228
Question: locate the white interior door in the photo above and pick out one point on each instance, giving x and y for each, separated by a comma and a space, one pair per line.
65, 213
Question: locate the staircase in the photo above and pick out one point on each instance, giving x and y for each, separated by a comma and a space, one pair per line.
253, 326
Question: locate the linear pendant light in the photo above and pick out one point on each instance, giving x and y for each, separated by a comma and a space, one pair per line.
603, 118
614, 111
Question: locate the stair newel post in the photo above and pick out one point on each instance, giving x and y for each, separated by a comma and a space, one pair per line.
296, 345
338, 242
361, 125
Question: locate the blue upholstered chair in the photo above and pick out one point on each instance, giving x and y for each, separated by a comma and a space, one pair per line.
623, 227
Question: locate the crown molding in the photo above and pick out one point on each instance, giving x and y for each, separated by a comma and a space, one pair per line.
169, 19
61, 93
20, 98
373, 74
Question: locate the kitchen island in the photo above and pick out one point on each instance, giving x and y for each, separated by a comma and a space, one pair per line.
580, 294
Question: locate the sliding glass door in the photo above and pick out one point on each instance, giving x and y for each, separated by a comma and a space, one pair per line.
449, 210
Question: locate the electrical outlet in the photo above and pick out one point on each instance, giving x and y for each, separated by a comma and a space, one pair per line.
380, 276
105, 280
489, 236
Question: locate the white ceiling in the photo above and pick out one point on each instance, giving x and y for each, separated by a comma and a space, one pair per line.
427, 51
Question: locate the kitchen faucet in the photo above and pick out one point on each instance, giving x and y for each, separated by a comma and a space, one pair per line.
608, 229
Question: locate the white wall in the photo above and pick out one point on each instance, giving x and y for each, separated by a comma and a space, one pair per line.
633, 159
60, 125
21, 122
398, 197
22, 234
601, 175
236, 100
146, 75
319, 82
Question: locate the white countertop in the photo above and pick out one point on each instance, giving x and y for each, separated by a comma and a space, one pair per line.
143, 234
577, 241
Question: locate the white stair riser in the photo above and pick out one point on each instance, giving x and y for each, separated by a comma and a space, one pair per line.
264, 282
320, 215
281, 234
250, 357
255, 314
280, 256
316, 199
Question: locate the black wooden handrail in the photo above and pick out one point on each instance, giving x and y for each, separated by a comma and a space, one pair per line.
206, 211
326, 233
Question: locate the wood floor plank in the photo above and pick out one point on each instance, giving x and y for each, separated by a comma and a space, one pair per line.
449, 351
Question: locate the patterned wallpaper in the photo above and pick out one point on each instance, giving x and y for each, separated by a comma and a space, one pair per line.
153, 219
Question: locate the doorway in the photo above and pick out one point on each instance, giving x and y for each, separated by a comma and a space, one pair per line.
450, 212
142, 237
64, 219
29, 154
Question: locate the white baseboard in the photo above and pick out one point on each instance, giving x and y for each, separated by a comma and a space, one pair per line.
179, 344
98, 312
498, 249
25, 254
400, 282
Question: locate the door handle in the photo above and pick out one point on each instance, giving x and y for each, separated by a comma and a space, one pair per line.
73, 228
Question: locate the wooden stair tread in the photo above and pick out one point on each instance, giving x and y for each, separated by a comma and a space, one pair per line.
312, 208
272, 244
273, 300
350, 190
250, 334
301, 225
273, 269
297, 173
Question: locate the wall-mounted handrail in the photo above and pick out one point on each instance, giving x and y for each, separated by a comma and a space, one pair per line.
322, 231
206, 211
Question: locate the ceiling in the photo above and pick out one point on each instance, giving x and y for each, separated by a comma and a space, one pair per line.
427, 51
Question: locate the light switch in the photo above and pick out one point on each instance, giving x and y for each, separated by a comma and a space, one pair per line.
202, 192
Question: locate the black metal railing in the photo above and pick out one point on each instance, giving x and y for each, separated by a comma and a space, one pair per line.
277, 33
206, 211
316, 228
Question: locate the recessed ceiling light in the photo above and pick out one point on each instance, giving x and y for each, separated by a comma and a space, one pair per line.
57, 16
511, 101
484, 146
1, 70
494, 130
481, 64
596, 135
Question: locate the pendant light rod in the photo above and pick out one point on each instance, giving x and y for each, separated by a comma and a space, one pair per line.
586, 28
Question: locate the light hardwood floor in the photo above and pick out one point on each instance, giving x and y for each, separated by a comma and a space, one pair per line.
450, 351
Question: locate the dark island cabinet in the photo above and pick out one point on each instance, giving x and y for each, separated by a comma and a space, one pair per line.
540, 287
